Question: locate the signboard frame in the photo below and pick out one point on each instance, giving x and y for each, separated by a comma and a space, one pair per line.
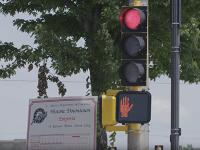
92, 99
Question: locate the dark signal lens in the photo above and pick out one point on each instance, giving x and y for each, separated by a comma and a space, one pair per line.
132, 45
133, 71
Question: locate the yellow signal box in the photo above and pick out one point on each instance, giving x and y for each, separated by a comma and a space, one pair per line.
108, 111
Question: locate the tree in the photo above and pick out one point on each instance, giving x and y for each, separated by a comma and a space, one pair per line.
59, 25
189, 147
160, 40
57, 29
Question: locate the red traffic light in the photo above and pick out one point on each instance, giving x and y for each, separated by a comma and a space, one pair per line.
134, 45
132, 18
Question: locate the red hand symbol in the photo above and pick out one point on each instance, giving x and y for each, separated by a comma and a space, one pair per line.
125, 106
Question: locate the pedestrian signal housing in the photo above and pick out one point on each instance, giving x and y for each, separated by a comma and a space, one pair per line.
133, 107
108, 110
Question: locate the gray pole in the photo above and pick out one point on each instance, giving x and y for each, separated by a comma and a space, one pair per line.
138, 135
175, 75
134, 130
134, 137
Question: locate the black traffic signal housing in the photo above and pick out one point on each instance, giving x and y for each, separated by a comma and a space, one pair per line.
134, 45
159, 147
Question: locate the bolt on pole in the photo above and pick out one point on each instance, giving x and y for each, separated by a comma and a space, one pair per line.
175, 73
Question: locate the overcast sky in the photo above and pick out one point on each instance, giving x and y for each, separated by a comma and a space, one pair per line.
15, 94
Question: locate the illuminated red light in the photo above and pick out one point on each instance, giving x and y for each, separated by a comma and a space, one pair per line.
132, 18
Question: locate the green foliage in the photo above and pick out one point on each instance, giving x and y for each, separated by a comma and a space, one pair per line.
160, 35
189, 147
112, 139
59, 25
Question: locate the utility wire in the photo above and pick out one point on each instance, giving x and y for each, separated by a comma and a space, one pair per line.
83, 82
15, 80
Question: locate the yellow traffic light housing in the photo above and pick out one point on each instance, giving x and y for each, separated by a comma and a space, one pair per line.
108, 110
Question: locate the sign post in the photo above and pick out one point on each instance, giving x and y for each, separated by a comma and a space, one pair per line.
62, 123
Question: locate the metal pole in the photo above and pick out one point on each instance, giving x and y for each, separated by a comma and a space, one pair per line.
175, 75
136, 140
138, 135
134, 132
134, 137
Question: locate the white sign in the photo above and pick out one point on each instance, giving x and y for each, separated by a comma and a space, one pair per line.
62, 124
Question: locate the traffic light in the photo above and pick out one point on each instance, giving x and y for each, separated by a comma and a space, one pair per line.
133, 107
108, 110
159, 147
134, 45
